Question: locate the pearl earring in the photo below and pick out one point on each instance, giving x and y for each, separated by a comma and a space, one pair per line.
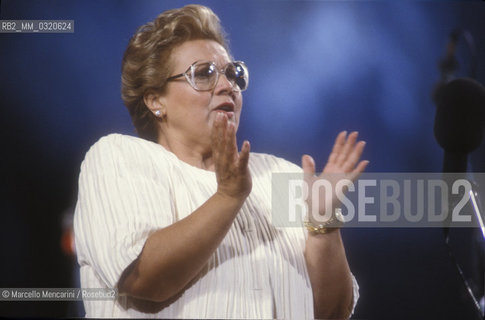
157, 113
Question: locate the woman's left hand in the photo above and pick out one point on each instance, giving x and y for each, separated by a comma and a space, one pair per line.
343, 163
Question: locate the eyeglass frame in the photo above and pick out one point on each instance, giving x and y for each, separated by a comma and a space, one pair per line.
187, 74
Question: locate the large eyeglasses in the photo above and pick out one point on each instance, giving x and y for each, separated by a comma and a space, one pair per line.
203, 75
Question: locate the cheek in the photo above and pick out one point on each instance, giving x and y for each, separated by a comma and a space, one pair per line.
189, 103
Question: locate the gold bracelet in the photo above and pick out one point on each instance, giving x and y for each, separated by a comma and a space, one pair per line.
335, 222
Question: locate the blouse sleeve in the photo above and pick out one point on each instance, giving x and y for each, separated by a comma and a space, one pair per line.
123, 198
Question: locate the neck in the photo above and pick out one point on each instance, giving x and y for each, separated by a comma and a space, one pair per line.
197, 155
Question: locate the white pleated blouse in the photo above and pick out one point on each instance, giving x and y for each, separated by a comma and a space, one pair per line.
130, 187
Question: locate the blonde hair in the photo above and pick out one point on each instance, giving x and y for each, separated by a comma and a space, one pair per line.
146, 61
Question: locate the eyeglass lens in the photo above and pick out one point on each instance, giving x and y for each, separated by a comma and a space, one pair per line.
204, 75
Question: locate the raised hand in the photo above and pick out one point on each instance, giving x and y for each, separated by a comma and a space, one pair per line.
343, 163
231, 167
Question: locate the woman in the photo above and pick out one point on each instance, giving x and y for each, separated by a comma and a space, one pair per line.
180, 221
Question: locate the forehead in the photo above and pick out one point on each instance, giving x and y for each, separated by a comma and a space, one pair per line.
196, 50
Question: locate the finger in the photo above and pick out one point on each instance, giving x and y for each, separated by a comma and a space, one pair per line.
337, 146
220, 127
223, 140
216, 135
215, 127
359, 169
230, 142
308, 165
244, 156
348, 146
354, 156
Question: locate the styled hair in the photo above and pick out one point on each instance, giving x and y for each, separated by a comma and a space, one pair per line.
147, 63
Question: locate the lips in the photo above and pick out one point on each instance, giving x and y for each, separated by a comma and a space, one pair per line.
225, 107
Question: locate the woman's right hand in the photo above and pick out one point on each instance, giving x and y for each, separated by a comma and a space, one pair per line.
231, 167
169, 261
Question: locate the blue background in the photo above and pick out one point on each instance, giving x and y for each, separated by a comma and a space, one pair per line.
316, 68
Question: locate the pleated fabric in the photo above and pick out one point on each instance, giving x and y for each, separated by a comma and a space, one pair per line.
130, 187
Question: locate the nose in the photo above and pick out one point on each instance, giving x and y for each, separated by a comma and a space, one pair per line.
223, 84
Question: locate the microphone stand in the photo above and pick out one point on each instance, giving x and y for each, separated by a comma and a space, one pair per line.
475, 202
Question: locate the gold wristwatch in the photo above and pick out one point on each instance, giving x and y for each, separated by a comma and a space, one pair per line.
335, 222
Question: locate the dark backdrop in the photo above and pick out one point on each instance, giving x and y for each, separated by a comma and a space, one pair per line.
316, 68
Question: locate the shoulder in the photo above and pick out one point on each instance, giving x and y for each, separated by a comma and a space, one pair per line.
121, 143
268, 162
117, 151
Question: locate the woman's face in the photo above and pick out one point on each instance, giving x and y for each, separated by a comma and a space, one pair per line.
190, 114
